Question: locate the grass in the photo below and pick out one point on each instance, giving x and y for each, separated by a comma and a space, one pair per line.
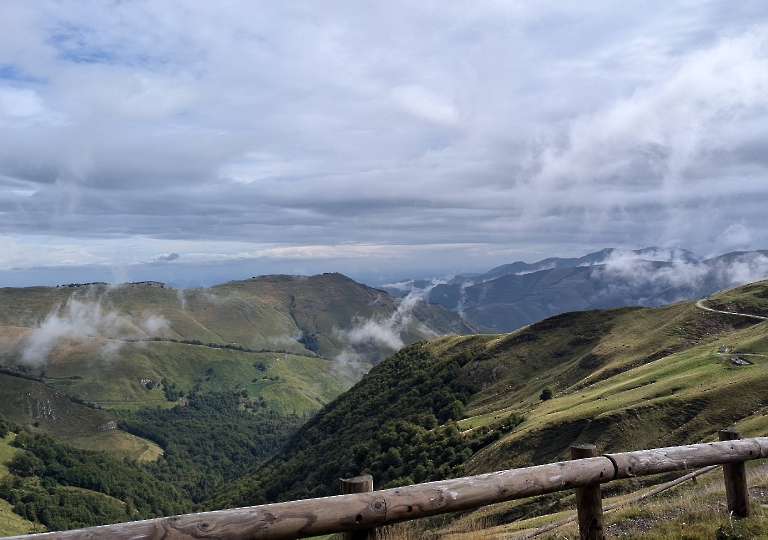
752, 299
686, 511
6, 452
258, 313
269, 313
624, 380
29, 402
299, 383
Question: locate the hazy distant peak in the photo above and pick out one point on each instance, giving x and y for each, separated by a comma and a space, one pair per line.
651, 254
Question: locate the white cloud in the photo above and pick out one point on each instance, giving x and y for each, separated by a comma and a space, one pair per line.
19, 103
155, 325
77, 319
386, 331
737, 235
85, 317
646, 283
550, 126
424, 103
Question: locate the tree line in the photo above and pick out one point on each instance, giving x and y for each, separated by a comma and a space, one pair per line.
398, 424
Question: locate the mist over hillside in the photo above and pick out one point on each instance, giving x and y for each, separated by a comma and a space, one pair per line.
327, 315
514, 295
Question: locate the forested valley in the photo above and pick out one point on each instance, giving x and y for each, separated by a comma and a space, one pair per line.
211, 440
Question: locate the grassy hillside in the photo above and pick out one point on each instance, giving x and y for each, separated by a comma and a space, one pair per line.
34, 404
96, 342
216, 378
622, 379
294, 313
56, 485
751, 299
288, 382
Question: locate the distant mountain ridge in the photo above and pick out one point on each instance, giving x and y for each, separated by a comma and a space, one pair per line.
591, 259
327, 314
517, 294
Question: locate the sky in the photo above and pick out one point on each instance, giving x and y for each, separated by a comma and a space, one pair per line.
193, 142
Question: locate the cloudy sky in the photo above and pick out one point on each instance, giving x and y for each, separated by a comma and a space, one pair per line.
193, 142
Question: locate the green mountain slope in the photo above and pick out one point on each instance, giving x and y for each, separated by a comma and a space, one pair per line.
202, 384
751, 299
147, 344
294, 313
622, 378
61, 487
32, 403
290, 383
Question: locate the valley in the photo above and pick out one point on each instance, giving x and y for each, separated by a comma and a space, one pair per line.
623, 378
292, 344
194, 386
252, 250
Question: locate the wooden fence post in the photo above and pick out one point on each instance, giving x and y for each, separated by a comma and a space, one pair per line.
358, 484
589, 502
735, 480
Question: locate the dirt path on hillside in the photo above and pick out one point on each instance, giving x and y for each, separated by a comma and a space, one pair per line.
700, 305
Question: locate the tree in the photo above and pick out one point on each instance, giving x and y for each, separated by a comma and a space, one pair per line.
546, 394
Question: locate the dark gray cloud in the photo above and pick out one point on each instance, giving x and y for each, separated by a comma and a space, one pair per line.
373, 136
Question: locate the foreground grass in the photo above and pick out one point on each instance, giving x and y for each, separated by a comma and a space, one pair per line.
686, 512
682, 397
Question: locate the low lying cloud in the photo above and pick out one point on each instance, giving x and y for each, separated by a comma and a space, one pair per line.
347, 356
350, 364
549, 266
402, 286
182, 298
386, 331
80, 319
286, 341
76, 319
155, 325
650, 283
462, 297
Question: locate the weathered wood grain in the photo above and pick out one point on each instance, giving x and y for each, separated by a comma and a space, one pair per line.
589, 500
358, 484
694, 456
735, 476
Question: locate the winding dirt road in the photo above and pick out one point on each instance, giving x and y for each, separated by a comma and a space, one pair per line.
700, 304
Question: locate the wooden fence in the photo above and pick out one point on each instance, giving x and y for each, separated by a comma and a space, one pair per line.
359, 514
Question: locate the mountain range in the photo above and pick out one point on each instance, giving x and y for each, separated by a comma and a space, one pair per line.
292, 343
272, 388
514, 295
621, 378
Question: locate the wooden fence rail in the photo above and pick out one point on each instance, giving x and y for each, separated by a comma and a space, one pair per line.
363, 511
